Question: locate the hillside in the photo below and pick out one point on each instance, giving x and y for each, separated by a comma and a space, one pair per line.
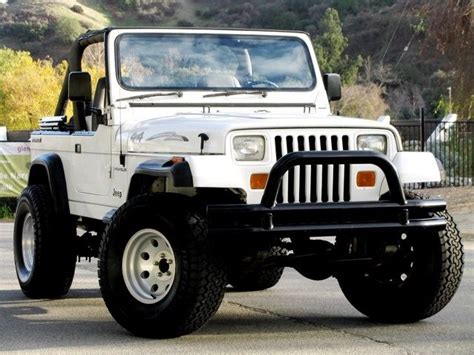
390, 35
46, 28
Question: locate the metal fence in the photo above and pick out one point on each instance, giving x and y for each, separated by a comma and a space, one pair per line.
451, 142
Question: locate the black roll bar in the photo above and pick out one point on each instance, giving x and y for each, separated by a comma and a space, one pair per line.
74, 64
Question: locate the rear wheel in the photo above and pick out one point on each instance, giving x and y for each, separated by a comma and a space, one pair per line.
418, 281
157, 272
45, 258
257, 279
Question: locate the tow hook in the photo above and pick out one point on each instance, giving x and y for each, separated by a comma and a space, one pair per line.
403, 217
267, 221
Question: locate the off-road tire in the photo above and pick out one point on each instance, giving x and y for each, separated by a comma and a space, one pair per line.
436, 276
54, 257
198, 289
257, 280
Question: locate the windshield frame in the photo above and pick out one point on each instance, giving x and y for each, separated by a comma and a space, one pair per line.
126, 87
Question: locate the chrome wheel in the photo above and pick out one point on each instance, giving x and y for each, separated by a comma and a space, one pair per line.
27, 246
148, 266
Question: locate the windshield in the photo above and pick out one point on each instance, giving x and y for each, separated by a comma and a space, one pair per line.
213, 62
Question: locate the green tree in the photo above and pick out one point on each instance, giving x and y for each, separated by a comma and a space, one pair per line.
28, 88
68, 29
330, 47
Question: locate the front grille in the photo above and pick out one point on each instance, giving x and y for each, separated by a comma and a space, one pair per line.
313, 183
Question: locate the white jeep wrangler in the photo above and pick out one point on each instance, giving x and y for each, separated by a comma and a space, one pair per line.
211, 157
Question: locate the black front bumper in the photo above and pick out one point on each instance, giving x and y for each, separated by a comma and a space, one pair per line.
395, 214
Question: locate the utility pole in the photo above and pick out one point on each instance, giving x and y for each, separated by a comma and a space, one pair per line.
450, 107
422, 128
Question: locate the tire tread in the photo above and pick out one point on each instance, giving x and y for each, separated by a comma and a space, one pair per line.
54, 264
201, 290
401, 305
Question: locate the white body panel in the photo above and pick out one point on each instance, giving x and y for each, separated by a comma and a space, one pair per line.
416, 167
97, 183
179, 133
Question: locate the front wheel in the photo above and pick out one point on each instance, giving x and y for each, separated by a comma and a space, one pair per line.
157, 272
420, 279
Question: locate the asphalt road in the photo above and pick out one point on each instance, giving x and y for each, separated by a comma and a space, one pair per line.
297, 316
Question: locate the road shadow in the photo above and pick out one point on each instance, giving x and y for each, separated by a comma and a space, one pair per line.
81, 320
17, 295
230, 289
76, 319
41, 326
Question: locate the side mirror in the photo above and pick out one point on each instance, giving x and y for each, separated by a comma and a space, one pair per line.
332, 83
79, 86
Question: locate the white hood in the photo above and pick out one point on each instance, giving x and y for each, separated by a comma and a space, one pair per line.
180, 133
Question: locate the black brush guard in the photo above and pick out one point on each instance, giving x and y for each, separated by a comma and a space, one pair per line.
394, 215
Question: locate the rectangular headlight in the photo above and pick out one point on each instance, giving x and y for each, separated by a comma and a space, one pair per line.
376, 143
249, 148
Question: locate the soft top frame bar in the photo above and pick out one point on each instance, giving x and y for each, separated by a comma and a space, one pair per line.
74, 64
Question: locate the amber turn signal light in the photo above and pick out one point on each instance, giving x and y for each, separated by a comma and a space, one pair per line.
258, 181
176, 160
366, 178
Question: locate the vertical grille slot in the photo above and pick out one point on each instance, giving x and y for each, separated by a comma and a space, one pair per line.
291, 172
303, 168
313, 193
313, 183
335, 177
278, 156
324, 192
347, 171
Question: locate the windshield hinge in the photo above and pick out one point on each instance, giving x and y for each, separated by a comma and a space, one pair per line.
121, 106
206, 109
307, 108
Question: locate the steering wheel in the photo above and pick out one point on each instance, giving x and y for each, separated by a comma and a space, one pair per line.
267, 83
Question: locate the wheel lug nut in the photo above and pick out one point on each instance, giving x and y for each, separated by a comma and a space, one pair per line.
162, 255
156, 263
160, 274
168, 273
169, 262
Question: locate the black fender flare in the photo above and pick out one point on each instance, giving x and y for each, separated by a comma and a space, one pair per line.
48, 169
179, 173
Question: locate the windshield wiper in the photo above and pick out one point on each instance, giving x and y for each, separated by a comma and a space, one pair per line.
232, 93
156, 94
